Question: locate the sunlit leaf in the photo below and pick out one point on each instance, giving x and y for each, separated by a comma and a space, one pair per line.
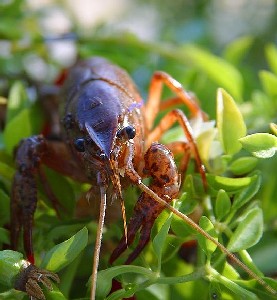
248, 232
17, 100
18, 128
273, 128
223, 73
247, 193
253, 286
228, 184
243, 165
271, 55
54, 293
269, 81
159, 239
261, 145
10, 264
222, 204
104, 277
236, 50
64, 253
230, 123
206, 245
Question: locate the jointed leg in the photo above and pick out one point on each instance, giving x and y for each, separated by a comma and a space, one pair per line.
24, 191
154, 99
134, 224
144, 239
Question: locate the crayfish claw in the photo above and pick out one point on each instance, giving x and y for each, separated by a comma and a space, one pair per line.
30, 277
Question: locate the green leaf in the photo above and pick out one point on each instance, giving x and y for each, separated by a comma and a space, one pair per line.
223, 73
228, 184
248, 232
4, 236
222, 205
180, 228
236, 50
159, 240
54, 293
104, 277
261, 145
273, 127
26, 123
206, 245
62, 254
4, 207
253, 286
6, 171
271, 55
10, 264
247, 193
230, 123
63, 190
18, 128
17, 100
269, 82
243, 165
235, 288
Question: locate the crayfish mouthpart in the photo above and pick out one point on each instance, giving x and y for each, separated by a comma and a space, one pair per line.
29, 278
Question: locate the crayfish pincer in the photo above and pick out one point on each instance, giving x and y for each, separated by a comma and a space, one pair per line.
160, 165
106, 139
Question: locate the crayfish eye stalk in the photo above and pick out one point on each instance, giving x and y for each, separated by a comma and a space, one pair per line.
79, 144
126, 133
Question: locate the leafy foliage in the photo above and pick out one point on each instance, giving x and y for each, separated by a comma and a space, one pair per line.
239, 208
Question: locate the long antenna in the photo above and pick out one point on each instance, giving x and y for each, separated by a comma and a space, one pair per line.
97, 248
189, 221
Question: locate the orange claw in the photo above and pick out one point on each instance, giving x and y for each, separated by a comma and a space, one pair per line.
160, 165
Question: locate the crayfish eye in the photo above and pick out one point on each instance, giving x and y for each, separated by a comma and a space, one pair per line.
80, 145
128, 132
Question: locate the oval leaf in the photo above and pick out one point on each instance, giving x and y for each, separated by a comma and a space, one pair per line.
271, 56
262, 145
219, 70
104, 277
247, 193
269, 82
230, 123
4, 207
62, 254
18, 128
228, 184
273, 127
243, 165
237, 49
159, 239
17, 100
207, 246
222, 204
10, 264
248, 232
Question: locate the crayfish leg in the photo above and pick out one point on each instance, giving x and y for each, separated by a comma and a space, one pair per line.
160, 165
144, 239
24, 191
134, 224
154, 104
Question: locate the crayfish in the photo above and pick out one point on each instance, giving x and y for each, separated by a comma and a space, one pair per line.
108, 139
